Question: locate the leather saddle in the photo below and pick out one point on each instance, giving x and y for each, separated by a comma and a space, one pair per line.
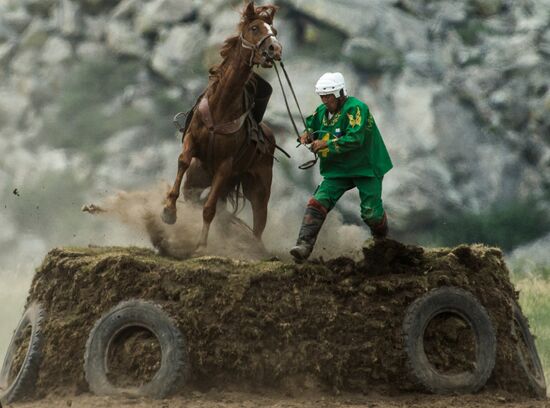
256, 97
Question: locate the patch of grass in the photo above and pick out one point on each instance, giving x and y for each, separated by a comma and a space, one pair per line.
535, 304
525, 268
505, 226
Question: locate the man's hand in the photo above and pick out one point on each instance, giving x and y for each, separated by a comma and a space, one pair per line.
318, 145
305, 138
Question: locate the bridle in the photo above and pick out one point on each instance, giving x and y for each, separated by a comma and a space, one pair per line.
254, 47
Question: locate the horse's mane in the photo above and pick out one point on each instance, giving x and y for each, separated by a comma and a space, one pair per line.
264, 13
216, 71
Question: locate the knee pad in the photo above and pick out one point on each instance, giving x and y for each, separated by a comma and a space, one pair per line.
316, 205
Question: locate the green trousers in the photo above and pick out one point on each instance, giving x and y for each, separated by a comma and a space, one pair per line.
370, 191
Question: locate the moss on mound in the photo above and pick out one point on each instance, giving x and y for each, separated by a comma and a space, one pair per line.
335, 325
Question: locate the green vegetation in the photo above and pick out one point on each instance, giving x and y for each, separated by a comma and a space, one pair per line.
535, 304
471, 31
92, 107
505, 226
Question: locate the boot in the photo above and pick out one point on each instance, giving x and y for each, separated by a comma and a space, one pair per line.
379, 230
311, 225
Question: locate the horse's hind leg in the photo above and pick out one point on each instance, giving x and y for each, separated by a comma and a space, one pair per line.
257, 185
196, 181
184, 161
257, 189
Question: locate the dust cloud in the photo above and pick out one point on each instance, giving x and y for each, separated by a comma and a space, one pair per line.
14, 287
133, 218
230, 235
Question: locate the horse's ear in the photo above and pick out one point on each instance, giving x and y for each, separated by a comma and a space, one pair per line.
249, 12
267, 12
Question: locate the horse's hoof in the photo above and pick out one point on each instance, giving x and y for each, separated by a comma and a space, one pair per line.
169, 215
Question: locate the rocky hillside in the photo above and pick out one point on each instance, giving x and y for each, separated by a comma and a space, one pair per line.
460, 91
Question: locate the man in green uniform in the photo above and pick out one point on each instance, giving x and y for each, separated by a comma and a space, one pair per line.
352, 154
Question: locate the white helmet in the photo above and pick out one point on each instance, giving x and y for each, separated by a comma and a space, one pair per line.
331, 83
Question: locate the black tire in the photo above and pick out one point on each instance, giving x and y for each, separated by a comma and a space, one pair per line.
139, 314
25, 379
463, 304
527, 356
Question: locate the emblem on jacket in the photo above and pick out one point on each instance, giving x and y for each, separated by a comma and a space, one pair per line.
353, 121
324, 152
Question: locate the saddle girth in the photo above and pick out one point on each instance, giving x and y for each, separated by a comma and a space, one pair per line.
223, 129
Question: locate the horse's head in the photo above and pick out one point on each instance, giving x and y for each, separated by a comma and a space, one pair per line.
259, 36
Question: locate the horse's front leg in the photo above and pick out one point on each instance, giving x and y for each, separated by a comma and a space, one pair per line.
221, 177
169, 214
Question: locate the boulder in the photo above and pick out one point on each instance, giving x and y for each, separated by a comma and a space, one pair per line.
386, 24
95, 28
36, 35
123, 141
6, 52
69, 18
527, 58
544, 43
143, 162
56, 50
89, 50
42, 7
123, 40
372, 56
424, 64
409, 192
97, 7
207, 12
24, 62
449, 12
486, 8
13, 106
179, 53
346, 17
127, 9
6, 33
224, 25
17, 19
411, 118
157, 13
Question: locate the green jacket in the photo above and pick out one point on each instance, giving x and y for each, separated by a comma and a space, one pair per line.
355, 146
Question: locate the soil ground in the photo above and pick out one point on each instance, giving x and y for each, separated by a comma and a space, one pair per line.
247, 400
323, 326
302, 330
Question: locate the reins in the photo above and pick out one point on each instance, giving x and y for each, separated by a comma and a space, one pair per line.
256, 47
312, 162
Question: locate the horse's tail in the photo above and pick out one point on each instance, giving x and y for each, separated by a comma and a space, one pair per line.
235, 197
235, 194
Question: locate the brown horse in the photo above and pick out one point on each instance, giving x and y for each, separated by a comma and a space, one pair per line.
216, 145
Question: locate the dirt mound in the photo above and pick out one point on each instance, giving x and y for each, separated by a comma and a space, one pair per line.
334, 325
